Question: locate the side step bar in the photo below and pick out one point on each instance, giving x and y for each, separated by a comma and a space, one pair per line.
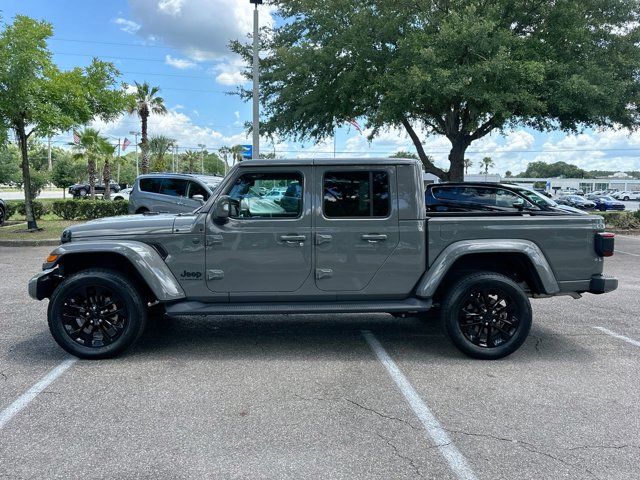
189, 307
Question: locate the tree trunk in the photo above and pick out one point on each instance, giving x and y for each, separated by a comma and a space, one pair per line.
91, 168
106, 178
456, 160
190, 164
144, 166
26, 178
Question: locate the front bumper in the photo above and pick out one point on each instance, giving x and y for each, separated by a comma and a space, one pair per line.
601, 284
42, 284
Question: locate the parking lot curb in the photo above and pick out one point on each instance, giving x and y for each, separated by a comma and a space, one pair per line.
46, 242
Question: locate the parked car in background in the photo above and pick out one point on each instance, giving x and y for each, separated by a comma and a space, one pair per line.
626, 195
576, 201
81, 190
571, 191
122, 194
605, 202
3, 212
171, 192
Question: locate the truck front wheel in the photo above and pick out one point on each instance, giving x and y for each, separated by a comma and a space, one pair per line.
96, 313
487, 315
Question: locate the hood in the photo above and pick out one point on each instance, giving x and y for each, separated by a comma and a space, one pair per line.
123, 226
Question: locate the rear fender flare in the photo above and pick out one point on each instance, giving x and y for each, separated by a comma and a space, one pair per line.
430, 281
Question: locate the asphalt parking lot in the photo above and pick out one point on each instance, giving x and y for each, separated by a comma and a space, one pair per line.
315, 397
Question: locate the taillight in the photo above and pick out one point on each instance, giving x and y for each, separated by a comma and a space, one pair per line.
604, 244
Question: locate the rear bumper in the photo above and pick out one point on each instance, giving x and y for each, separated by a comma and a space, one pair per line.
42, 284
601, 284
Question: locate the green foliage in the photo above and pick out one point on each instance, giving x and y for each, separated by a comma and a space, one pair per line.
159, 147
557, 169
39, 99
88, 209
458, 68
67, 171
403, 154
17, 208
622, 220
10, 164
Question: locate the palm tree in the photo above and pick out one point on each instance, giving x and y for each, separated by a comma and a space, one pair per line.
467, 164
106, 150
487, 163
146, 102
224, 151
191, 156
88, 149
236, 153
159, 145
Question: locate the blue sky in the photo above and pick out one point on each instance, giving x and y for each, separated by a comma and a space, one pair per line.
181, 46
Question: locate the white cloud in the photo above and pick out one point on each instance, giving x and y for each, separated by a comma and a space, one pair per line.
179, 63
171, 7
231, 78
128, 26
202, 29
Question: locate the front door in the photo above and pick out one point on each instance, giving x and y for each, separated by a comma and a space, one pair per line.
266, 244
356, 225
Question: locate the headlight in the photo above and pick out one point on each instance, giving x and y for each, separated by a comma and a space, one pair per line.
66, 236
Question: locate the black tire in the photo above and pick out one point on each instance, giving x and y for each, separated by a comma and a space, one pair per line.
626, 199
84, 294
2, 216
118, 199
486, 315
82, 193
142, 210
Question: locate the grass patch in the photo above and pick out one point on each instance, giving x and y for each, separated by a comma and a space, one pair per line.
51, 229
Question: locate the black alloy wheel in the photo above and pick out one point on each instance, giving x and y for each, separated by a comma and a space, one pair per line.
487, 315
96, 313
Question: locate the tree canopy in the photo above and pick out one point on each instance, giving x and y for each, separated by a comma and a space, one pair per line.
458, 68
36, 98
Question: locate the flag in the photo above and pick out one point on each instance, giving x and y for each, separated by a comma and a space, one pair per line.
76, 137
126, 142
356, 125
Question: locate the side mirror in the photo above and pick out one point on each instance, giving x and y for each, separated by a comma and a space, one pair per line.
222, 208
198, 198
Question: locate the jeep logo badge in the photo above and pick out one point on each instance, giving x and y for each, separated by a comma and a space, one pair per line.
190, 275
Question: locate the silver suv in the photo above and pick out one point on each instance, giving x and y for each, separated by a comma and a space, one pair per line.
171, 192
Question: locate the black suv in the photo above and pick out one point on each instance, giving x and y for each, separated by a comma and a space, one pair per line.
81, 190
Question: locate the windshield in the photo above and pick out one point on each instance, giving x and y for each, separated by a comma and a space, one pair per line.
607, 199
535, 198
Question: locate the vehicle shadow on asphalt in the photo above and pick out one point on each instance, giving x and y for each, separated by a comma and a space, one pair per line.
308, 336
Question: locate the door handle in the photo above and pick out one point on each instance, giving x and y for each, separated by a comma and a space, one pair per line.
373, 237
293, 238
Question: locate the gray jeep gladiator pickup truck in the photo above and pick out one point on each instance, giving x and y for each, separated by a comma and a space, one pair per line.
325, 236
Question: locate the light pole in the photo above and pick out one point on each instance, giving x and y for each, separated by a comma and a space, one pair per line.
135, 134
256, 77
202, 147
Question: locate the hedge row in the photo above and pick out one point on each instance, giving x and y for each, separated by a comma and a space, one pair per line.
622, 220
88, 209
70, 209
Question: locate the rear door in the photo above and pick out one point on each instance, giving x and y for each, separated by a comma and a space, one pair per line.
356, 225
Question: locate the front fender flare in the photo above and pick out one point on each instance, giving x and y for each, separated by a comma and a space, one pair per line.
430, 281
144, 258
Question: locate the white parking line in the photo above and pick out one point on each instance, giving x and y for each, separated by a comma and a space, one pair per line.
438, 435
627, 253
617, 335
23, 400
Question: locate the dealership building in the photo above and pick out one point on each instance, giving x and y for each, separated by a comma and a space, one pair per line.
618, 181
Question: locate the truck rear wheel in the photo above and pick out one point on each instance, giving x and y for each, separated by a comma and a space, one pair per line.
487, 315
96, 314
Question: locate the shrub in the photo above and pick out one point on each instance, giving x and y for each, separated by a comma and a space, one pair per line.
622, 220
88, 209
16, 207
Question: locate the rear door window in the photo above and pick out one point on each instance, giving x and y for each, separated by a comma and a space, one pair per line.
174, 187
356, 194
150, 184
